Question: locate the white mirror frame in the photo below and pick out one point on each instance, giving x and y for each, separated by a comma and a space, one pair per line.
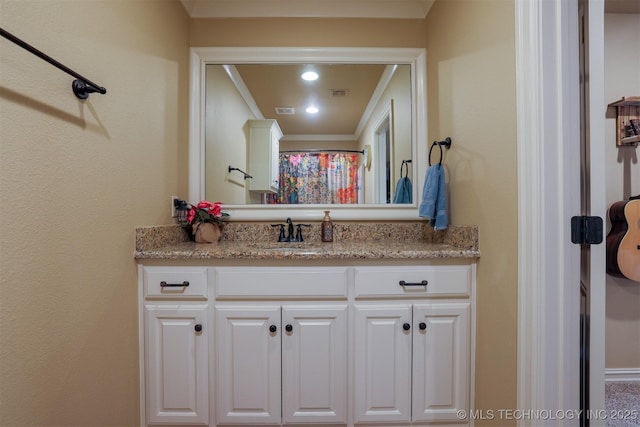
202, 56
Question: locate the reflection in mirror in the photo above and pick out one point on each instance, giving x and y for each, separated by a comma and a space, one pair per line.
383, 141
256, 120
231, 104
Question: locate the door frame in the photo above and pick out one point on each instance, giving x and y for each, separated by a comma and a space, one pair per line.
548, 133
383, 137
598, 205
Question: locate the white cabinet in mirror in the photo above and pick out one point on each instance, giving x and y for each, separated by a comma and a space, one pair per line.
392, 122
264, 140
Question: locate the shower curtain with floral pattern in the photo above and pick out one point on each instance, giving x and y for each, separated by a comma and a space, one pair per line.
325, 178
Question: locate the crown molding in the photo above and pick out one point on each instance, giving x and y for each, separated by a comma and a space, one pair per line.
390, 9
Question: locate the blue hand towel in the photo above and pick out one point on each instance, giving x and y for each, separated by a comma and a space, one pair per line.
434, 198
404, 191
442, 220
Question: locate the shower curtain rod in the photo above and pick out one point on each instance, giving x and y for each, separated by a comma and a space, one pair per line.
82, 86
318, 150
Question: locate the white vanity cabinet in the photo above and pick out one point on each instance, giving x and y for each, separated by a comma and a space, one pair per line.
411, 362
412, 348
281, 339
175, 345
281, 364
264, 155
308, 345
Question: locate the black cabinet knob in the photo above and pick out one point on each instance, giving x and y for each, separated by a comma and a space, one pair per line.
288, 328
198, 327
406, 326
273, 328
422, 326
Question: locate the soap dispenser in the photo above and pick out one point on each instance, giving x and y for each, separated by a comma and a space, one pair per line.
327, 228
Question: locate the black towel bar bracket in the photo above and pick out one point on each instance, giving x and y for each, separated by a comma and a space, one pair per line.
81, 87
446, 143
246, 175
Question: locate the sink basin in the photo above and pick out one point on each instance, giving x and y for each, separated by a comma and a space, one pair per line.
288, 246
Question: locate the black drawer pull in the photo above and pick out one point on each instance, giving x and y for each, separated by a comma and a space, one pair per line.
198, 327
406, 326
422, 326
403, 283
273, 329
164, 284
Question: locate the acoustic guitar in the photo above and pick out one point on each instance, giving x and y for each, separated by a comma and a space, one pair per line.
623, 241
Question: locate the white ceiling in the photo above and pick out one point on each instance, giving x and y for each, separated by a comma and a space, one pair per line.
280, 85
405, 9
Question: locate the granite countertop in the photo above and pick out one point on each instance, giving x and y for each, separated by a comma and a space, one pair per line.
357, 241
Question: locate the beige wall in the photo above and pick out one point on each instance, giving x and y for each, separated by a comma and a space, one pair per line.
75, 179
308, 32
226, 139
78, 177
397, 98
622, 62
471, 90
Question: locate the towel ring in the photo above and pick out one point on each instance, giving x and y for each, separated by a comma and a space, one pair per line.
446, 143
404, 172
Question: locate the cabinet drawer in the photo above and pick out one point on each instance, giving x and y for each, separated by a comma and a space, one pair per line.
440, 281
175, 282
280, 282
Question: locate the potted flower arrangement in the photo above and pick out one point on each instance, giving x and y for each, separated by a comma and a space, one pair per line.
206, 220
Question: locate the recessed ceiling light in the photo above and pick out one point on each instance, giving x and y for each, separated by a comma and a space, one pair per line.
312, 110
310, 75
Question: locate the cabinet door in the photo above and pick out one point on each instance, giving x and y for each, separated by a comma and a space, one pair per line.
264, 155
177, 364
382, 368
248, 366
314, 364
441, 361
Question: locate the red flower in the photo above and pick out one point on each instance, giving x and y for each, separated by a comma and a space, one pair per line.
191, 216
205, 211
214, 209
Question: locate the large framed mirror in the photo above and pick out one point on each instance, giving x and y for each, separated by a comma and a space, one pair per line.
380, 132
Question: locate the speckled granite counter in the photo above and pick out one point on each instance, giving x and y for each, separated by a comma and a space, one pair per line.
352, 241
